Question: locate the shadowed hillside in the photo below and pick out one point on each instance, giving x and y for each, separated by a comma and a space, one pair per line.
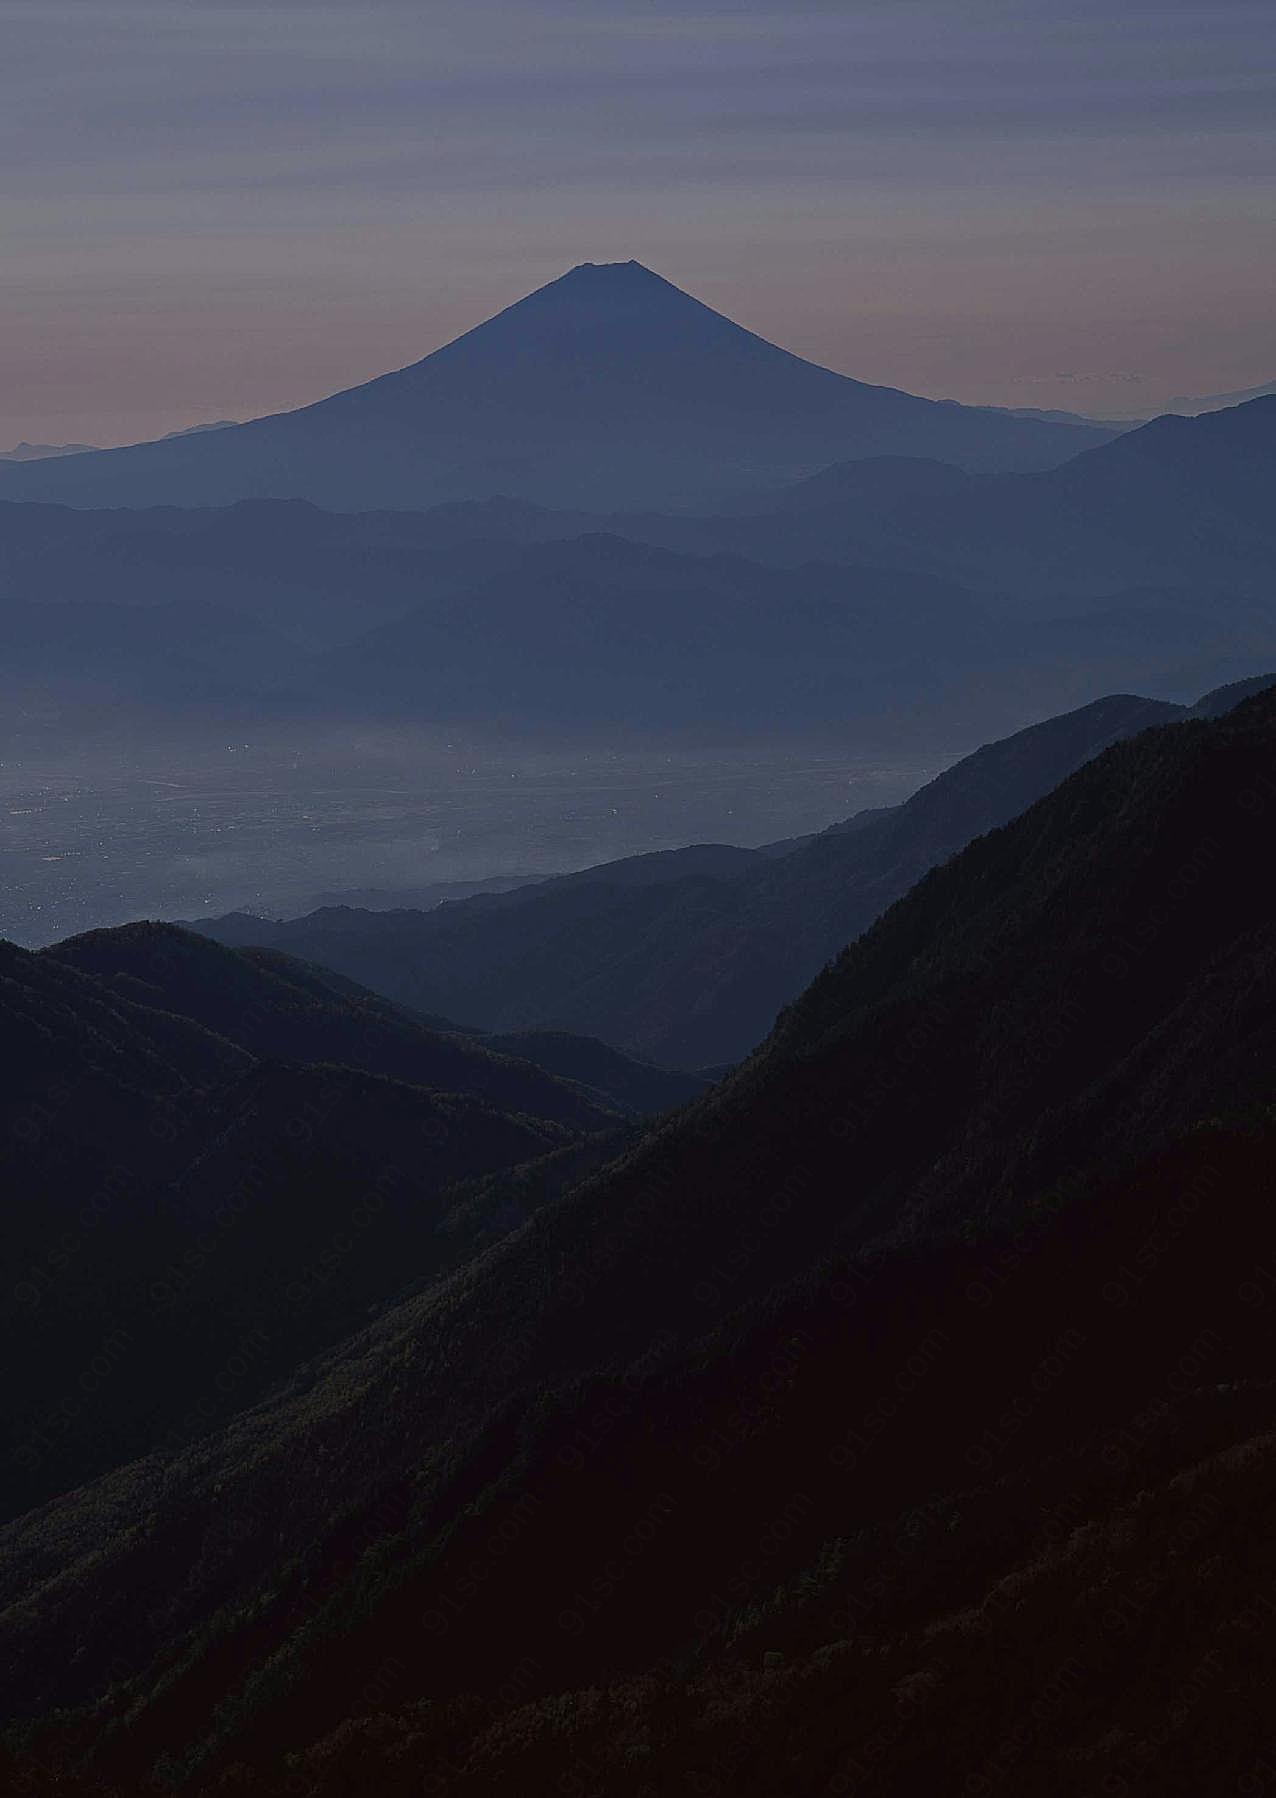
897, 1418
215, 1163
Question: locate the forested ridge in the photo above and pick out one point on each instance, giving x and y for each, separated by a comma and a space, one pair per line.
898, 1414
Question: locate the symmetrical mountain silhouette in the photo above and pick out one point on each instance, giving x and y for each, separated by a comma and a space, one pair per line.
901, 1417
400, 1406
692, 969
609, 387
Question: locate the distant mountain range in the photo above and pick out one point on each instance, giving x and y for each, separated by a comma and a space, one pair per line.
1216, 402
314, 577
609, 387
43, 452
868, 590
1188, 405
900, 1417
687, 957
1178, 503
216, 424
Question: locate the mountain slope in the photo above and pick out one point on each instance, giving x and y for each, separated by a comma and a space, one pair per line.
316, 578
277, 1009
1178, 504
692, 973
863, 1427
636, 1088
173, 654
601, 629
1225, 699
875, 585
528, 403
215, 1163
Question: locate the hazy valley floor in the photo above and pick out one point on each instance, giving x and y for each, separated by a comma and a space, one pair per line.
143, 819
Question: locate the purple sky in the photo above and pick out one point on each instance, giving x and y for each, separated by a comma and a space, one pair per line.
218, 208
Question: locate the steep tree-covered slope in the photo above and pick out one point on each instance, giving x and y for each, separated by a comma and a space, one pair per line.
215, 1163
279, 1009
895, 1419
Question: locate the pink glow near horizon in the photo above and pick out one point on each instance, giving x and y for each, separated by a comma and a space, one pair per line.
221, 210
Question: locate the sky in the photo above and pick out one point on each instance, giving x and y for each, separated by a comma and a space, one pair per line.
221, 208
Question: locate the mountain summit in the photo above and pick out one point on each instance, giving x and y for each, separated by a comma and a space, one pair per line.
609, 388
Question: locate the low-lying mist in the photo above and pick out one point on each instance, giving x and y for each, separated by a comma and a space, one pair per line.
117, 815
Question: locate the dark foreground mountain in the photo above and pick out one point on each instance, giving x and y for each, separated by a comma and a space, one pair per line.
899, 1419
609, 387
215, 1163
691, 971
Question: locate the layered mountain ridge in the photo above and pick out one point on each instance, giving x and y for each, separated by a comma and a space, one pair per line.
691, 968
880, 590
863, 1426
732, 1321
